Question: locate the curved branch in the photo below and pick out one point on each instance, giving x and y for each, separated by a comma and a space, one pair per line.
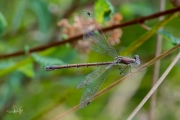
132, 22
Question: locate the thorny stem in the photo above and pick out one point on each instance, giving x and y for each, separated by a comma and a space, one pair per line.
132, 22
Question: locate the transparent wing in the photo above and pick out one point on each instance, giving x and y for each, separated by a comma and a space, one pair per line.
94, 45
93, 75
94, 36
92, 88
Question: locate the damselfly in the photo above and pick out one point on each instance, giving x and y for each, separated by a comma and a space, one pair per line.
95, 37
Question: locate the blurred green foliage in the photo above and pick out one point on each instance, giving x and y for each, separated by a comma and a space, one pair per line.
103, 10
169, 36
130, 10
3, 23
25, 24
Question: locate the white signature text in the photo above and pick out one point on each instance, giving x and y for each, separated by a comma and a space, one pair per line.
16, 110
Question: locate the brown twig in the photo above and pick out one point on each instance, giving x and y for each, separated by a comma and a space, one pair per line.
132, 22
145, 26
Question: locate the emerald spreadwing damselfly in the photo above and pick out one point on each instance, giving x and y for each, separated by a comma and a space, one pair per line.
98, 43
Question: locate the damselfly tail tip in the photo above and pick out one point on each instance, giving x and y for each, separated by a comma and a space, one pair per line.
48, 68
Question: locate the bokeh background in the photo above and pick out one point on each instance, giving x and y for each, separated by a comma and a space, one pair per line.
26, 24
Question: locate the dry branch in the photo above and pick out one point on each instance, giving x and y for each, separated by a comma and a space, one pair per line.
132, 22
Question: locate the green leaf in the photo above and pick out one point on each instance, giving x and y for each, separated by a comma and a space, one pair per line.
103, 10
42, 13
16, 66
3, 23
44, 61
167, 35
3, 46
6, 64
19, 12
14, 82
27, 70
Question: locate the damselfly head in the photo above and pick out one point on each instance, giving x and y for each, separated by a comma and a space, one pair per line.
137, 60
